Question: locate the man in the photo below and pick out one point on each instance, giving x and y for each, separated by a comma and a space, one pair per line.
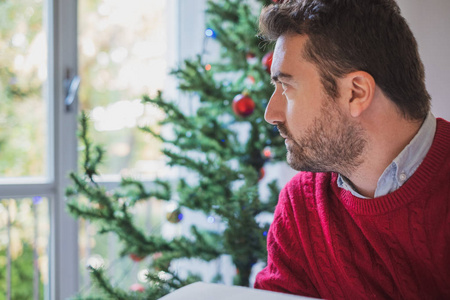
369, 215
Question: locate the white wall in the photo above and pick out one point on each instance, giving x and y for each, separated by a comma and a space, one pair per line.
430, 22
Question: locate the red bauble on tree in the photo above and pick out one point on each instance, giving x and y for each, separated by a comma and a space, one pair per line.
137, 288
267, 152
262, 172
243, 105
250, 56
249, 81
267, 61
136, 258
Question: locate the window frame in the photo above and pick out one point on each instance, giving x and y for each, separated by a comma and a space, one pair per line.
63, 59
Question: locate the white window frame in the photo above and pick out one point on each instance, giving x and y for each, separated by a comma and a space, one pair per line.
63, 52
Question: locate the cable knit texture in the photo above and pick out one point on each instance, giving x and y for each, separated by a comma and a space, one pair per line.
326, 243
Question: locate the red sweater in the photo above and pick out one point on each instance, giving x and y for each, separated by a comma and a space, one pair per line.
326, 243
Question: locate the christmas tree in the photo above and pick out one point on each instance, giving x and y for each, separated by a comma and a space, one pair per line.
224, 145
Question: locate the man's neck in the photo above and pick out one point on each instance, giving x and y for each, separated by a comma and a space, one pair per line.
382, 148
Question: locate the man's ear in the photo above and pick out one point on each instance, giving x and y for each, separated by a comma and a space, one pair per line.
360, 90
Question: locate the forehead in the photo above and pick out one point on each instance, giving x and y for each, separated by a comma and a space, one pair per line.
291, 42
288, 54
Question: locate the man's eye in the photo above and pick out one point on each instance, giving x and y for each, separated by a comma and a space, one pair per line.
284, 86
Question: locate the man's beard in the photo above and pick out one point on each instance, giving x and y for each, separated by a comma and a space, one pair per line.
332, 143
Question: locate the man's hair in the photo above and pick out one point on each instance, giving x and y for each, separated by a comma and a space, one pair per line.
356, 35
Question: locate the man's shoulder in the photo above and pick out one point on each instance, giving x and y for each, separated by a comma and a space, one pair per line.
307, 191
443, 125
309, 184
441, 141
305, 178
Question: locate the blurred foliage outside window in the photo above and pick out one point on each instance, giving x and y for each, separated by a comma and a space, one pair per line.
122, 56
24, 243
23, 75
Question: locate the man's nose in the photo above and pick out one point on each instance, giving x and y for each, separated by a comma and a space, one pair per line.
275, 110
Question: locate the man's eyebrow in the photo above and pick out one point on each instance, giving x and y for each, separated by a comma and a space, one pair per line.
280, 75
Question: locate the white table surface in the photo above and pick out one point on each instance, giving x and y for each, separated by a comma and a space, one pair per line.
210, 291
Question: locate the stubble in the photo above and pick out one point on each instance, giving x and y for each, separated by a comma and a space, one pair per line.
332, 143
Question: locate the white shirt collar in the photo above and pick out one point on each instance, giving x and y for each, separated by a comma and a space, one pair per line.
404, 165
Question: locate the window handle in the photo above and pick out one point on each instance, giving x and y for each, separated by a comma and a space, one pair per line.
71, 87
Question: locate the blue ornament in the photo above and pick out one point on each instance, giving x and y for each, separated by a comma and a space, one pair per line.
210, 33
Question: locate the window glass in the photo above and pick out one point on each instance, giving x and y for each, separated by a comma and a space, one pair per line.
23, 75
122, 56
24, 243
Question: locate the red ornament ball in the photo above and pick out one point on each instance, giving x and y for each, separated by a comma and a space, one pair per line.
243, 105
136, 258
267, 152
250, 55
157, 255
262, 172
137, 288
251, 58
250, 80
267, 61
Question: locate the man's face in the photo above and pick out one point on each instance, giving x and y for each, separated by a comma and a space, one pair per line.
319, 136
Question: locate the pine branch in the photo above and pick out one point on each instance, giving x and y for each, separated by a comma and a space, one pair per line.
100, 279
92, 157
135, 191
171, 110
